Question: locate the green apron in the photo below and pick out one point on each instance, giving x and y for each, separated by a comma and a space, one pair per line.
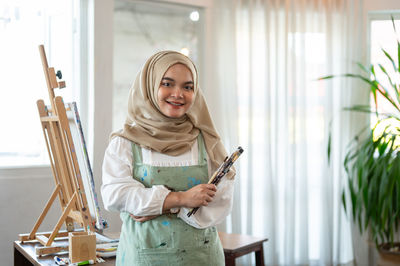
167, 240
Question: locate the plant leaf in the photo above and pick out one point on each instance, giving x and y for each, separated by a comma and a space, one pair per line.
398, 55
390, 81
344, 202
327, 77
359, 108
390, 58
329, 143
362, 67
394, 25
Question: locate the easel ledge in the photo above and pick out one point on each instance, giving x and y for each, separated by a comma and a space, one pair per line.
40, 251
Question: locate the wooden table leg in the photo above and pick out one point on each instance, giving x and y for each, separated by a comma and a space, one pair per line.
260, 257
19, 259
229, 260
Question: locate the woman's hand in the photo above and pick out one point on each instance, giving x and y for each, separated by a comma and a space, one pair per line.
142, 218
199, 195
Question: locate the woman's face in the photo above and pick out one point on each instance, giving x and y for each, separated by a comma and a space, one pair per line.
175, 94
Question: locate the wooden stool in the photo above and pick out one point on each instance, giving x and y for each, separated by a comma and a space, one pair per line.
238, 245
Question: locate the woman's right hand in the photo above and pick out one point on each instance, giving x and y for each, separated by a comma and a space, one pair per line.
199, 195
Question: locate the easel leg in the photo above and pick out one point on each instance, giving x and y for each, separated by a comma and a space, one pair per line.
44, 213
64, 215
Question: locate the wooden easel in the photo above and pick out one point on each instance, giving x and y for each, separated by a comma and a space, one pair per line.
67, 176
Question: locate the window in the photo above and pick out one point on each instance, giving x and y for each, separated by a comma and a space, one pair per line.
383, 36
24, 25
142, 29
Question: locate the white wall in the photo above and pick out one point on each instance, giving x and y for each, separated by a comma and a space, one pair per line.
22, 198
100, 91
374, 5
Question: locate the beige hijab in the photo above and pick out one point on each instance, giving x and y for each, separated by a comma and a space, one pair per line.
147, 126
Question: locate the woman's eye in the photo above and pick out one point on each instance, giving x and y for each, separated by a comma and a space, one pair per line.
188, 88
166, 84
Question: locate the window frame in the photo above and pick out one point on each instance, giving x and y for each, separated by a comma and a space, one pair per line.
378, 15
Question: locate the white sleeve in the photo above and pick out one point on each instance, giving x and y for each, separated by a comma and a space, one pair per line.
216, 211
119, 191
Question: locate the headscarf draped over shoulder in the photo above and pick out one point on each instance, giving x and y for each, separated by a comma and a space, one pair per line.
147, 126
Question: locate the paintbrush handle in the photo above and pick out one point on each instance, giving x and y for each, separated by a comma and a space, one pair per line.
222, 170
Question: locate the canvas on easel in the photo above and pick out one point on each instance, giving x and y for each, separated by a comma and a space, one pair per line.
70, 166
84, 164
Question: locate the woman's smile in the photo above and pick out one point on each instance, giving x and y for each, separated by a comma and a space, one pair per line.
177, 104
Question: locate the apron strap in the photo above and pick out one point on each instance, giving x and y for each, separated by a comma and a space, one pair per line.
137, 153
202, 157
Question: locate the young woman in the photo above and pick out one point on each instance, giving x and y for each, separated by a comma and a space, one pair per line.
157, 167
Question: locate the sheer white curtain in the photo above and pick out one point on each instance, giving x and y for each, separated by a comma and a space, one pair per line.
269, 55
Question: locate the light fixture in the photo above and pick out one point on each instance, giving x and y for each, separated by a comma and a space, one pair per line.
185, 51
194, 16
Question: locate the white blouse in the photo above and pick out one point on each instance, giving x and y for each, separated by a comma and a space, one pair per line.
121, 192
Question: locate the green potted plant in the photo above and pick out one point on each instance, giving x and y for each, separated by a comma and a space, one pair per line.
372, 162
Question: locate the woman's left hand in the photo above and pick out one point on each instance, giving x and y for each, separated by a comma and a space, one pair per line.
142, 218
